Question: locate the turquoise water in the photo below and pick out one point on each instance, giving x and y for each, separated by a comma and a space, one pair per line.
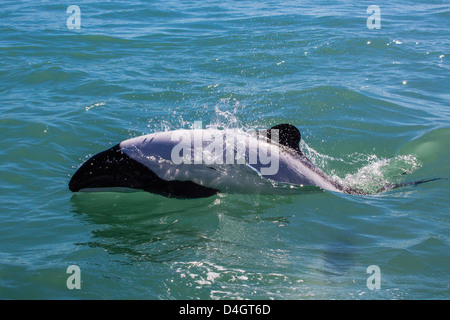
372, 106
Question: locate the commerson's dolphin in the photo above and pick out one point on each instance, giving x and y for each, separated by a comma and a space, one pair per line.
203, 162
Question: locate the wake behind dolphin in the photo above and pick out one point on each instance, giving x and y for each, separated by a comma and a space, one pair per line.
203, 162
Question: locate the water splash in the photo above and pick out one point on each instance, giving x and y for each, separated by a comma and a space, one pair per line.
226, 115
319, 159
373, 172
379, 172
94, 105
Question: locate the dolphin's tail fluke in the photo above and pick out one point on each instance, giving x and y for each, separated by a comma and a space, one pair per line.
391, 186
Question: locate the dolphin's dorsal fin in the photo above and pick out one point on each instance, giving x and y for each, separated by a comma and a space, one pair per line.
288, 135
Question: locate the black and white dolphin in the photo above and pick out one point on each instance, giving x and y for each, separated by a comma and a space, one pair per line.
147, 163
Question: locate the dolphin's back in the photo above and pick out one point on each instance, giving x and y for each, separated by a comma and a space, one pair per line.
254, 166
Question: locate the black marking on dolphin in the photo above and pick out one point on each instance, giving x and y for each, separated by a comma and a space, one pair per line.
114, 168
289, 136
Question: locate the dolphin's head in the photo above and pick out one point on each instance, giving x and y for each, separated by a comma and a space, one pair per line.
109, 169
113, 168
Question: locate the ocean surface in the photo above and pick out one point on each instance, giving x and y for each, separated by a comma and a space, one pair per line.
373, 106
